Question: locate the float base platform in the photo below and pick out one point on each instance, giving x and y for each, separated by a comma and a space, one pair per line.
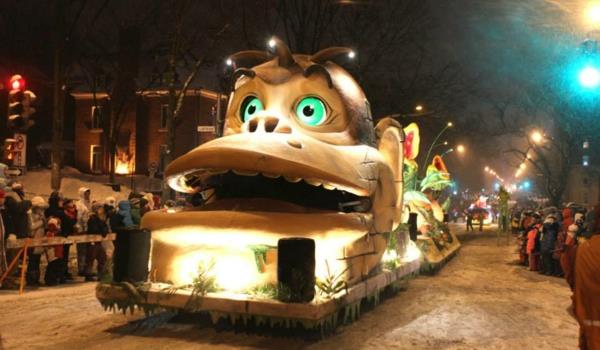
319, 313
433, 258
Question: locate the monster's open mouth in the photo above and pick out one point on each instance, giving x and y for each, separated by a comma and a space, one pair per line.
260, 192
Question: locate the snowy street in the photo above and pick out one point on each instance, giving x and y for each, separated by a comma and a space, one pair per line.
480, 300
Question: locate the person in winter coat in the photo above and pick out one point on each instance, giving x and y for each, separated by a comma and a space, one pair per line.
69, 227
567, 218
124, 218
17, 188
567, 259
6, 227
55, 270
587, 289
135, 210
533, 243
97, 225
55, 206
150, 203
548, 238
83, 206
38, 230
19, 211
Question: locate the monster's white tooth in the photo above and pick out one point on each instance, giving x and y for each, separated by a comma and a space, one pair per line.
271, 175
217, 171
292, 179
245, 172
313, 182
328, 186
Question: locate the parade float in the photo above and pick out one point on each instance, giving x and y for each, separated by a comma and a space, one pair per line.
302, 222
433, 236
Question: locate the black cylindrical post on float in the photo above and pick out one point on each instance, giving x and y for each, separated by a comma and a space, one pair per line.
412, 226
296, 269
132, 254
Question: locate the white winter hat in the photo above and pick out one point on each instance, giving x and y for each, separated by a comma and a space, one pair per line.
578, 216
111, 201
39, 202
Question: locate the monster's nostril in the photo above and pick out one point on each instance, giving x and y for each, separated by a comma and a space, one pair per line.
252, 125
271, 124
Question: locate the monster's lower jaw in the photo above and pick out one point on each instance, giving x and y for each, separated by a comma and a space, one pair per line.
247, 213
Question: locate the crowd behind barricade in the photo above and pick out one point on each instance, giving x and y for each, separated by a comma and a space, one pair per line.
567, 243
547, 237
37, 217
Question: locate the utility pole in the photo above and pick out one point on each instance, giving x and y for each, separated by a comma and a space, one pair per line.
58, 99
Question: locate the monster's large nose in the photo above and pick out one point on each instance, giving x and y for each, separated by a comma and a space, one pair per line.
267, 123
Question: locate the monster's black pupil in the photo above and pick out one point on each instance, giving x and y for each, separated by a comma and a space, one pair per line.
251, 109
308, 110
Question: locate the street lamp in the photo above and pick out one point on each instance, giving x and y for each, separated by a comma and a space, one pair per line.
592, 13
448, 125
419, 108
537, 136
487, 169
460, 149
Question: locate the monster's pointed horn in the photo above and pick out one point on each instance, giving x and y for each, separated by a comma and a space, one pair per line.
282, 51
331, 52
247, 58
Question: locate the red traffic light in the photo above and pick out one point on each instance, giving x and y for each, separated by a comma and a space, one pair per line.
17, 82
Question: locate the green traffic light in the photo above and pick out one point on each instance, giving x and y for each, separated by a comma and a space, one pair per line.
589, 77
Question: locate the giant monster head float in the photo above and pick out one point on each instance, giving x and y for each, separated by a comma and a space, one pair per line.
299, 158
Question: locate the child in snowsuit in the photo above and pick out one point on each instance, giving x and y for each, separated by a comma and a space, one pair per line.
547, 243
533, 244
54, 270
97, 225
38, 230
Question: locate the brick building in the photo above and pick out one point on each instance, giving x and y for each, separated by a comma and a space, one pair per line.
142, 138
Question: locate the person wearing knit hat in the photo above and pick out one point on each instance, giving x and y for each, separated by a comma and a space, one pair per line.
110, 201
135, 210
549, 234
54, 254
587, 289
3, 232
97, 225
533, 242
38, 230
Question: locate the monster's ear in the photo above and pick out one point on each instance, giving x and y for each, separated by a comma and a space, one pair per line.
390, 141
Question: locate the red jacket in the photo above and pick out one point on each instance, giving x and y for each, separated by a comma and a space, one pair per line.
531, 238
53, 231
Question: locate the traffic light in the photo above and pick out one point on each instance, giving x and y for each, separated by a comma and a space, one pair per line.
589, 77
20, 105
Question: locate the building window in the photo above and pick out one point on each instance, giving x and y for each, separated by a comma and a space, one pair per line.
97, 116
586, 160
164, 115
585, 181
586, 144
96, 158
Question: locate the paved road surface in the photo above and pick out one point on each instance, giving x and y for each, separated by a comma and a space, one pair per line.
480, 300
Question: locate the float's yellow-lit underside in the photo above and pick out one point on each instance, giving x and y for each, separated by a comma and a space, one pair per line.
182, 240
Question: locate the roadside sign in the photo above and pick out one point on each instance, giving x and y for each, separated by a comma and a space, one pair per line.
13, 172
206, 128
20, 150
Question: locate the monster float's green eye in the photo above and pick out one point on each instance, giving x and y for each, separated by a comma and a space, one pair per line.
311, 111
250, 107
